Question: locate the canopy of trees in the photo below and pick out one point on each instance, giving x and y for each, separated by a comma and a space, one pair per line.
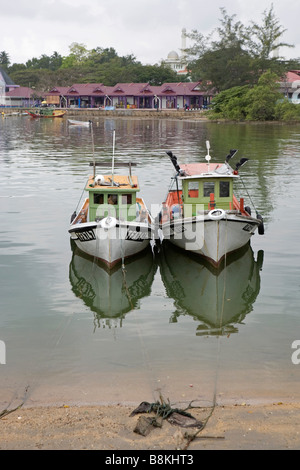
85, 66
235, 54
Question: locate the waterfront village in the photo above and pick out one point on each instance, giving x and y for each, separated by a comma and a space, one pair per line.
181, 95
184, 95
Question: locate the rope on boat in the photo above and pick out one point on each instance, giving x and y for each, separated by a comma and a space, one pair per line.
81, 197
245, 188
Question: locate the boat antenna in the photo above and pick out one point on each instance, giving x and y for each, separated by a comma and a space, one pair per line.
231, 154
113, 157
241, 163
208, 157
93, 149
173, 160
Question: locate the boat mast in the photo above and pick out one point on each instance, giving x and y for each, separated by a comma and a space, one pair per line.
93, 149
113, 157
208, 157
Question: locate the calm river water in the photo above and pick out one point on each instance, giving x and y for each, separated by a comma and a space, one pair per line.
70, 333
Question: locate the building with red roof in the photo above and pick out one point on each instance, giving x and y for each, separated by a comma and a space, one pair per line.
21, 97
290, 86
130, 95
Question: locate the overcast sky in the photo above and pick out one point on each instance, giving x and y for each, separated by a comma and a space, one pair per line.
148, 29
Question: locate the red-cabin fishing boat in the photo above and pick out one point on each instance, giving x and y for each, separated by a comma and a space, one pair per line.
202, 215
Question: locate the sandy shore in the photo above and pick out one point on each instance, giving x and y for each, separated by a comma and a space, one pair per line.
241, 427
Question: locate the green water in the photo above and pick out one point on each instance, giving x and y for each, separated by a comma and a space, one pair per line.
73, 334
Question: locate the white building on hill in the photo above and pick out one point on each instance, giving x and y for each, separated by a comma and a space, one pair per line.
177, 62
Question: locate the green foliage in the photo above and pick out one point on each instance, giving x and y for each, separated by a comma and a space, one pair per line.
230, 104
87, 66
225, 68
262, 98
287, 111
261, 102
237, 54
4, 60
52, 62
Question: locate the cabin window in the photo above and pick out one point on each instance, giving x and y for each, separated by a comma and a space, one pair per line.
127, 199
224, 188
193, 189
208, 188
98, 198
112, 199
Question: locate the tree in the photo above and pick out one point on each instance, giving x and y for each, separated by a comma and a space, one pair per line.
265, 39
230, 104
240, 53
231, 33
78, 54
4, 59
224, 68
263, 98
256, 103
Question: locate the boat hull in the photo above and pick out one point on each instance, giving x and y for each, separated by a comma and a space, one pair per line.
211, 239
54, 114
111, 242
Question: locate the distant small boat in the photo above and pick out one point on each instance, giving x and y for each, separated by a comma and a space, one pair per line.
72, 122
46, 113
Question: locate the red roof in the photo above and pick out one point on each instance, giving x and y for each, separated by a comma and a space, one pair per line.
58, 90
181, 88
142, 89
82, 89
292, 76
20, 92
130, 89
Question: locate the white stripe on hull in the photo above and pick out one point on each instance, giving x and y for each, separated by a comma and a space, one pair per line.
212, 239
113, 244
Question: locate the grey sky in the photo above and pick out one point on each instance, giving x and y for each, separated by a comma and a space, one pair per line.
147, 29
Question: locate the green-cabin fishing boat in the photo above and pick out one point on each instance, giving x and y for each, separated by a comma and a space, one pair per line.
46, 113
113, 223
202, 215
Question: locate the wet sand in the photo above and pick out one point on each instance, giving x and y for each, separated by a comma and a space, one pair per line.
111, 428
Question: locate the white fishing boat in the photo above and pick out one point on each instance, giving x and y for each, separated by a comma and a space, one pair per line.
202, 215
73, 122
113, 223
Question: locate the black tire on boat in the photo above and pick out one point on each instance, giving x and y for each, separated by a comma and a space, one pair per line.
261, 228
248, 209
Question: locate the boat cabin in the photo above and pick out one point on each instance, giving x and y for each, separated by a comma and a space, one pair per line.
203, 187
113, 196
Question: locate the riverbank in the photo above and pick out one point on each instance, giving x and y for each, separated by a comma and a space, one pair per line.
241, 427
95, 113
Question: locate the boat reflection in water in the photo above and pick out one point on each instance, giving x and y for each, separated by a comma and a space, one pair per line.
219, 299
112, 293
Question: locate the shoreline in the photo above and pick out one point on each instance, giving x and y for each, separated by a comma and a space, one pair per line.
274, 426
142, 114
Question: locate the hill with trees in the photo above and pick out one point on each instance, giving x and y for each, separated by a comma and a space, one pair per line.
85, 66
